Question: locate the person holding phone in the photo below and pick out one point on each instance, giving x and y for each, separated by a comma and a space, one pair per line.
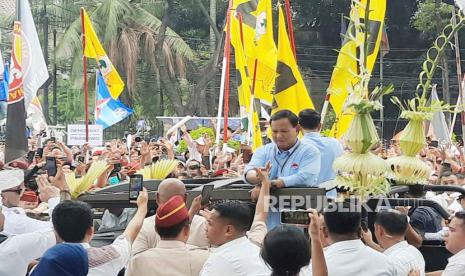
287, 251
12, 188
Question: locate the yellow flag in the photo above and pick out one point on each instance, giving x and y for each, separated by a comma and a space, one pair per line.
248, 113
258, 43
93, 49
346, 64
290, 91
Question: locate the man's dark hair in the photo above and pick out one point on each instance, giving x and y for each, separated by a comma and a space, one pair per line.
236, 213
172, 231
343, 218
460, 176
285, 114
460, 215
71, 220
393, 222
286, 250
309, 119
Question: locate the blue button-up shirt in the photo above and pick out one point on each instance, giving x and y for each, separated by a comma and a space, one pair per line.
297, 167
329, 148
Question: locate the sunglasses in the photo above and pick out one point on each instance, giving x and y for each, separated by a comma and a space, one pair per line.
194, 167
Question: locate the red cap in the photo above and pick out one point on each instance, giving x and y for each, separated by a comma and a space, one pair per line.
172, 212
29, 196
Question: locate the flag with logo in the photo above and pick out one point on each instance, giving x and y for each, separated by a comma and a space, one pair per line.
346, 65
16, 140
93, 49
290, 90
34, 68
258, 44
247, 101
108, 111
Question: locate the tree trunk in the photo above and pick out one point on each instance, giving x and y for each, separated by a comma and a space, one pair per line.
212, 29
167, 83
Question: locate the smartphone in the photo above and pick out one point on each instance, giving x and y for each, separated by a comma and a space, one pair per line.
136, 184
81, 159
40, 152
207, 190
51, 166
117, 167
299, 217
30, 156
434, 144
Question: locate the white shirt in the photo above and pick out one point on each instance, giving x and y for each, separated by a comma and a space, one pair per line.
237, 257
405, 258
17, 222
456, 265
110, 259
109, 220
17, 252
348, 258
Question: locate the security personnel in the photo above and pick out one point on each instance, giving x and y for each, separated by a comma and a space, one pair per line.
293, 163
148, 238
330, 148
171, 256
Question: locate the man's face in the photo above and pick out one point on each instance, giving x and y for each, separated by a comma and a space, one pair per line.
449, 180
193, 168
216, 229
283, 133
10, 197
455, 240
460, 181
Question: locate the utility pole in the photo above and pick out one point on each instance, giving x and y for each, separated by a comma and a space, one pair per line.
45, 23
55, 85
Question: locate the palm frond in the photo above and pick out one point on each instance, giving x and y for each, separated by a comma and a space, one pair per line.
128, 47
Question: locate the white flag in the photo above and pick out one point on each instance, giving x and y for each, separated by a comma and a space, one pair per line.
438, 123
35, 71
461, 4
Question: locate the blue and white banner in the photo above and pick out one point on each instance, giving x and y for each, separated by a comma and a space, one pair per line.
108, 111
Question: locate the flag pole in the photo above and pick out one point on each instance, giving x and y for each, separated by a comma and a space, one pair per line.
287, 5
84, 66
227, 58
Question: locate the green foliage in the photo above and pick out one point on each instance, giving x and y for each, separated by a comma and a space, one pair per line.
425, 20
234, 144
196, 134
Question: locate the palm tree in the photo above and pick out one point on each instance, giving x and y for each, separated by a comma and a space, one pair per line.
129, 33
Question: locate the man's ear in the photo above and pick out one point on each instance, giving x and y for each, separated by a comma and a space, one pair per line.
229, 231
298, 128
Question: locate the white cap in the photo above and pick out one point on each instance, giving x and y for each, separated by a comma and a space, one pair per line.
200, 141
10, 179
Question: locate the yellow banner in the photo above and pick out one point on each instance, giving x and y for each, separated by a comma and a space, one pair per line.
258, 43
290, 90
246, 99
93, 49
346, 64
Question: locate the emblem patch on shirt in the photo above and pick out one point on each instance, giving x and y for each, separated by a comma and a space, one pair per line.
294, 166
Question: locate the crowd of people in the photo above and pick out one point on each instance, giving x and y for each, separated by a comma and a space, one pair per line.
44, 231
